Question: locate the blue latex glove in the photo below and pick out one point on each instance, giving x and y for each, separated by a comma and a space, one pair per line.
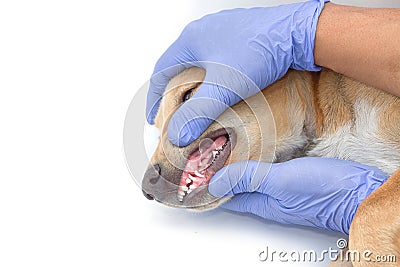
319, 192
259, 45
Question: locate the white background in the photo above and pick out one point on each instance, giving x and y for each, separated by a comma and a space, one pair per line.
68, 71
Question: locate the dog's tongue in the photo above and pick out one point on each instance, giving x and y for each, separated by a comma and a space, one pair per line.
196, 172
200, 159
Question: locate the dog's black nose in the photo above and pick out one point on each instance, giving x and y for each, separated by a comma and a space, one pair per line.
156, 174
151, 181
148, 196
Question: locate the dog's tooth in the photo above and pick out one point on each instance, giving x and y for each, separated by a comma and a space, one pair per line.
214, 153
183, 188
190, 179
192, 187
181, 193
199, 174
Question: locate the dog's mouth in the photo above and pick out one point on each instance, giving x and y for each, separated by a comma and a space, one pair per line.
204, 162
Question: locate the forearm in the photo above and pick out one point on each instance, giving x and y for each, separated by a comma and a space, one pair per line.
362, 43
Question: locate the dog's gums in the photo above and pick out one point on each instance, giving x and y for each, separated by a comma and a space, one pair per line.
202, 164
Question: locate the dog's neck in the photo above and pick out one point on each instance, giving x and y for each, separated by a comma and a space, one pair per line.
337, 117
299, 120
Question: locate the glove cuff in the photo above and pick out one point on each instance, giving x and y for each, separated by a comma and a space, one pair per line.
303, 35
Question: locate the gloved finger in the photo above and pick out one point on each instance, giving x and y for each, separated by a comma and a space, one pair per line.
222, 87
170, 64
266, 207
240, 177
158, 84
192, 118
302, 176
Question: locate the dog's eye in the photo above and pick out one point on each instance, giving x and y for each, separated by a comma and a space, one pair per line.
187, 95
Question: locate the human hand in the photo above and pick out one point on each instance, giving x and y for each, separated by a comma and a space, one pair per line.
319, 192
242, 51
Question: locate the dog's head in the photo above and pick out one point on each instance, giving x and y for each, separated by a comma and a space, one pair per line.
179, 176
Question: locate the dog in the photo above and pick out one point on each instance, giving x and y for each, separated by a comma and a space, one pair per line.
320, 114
